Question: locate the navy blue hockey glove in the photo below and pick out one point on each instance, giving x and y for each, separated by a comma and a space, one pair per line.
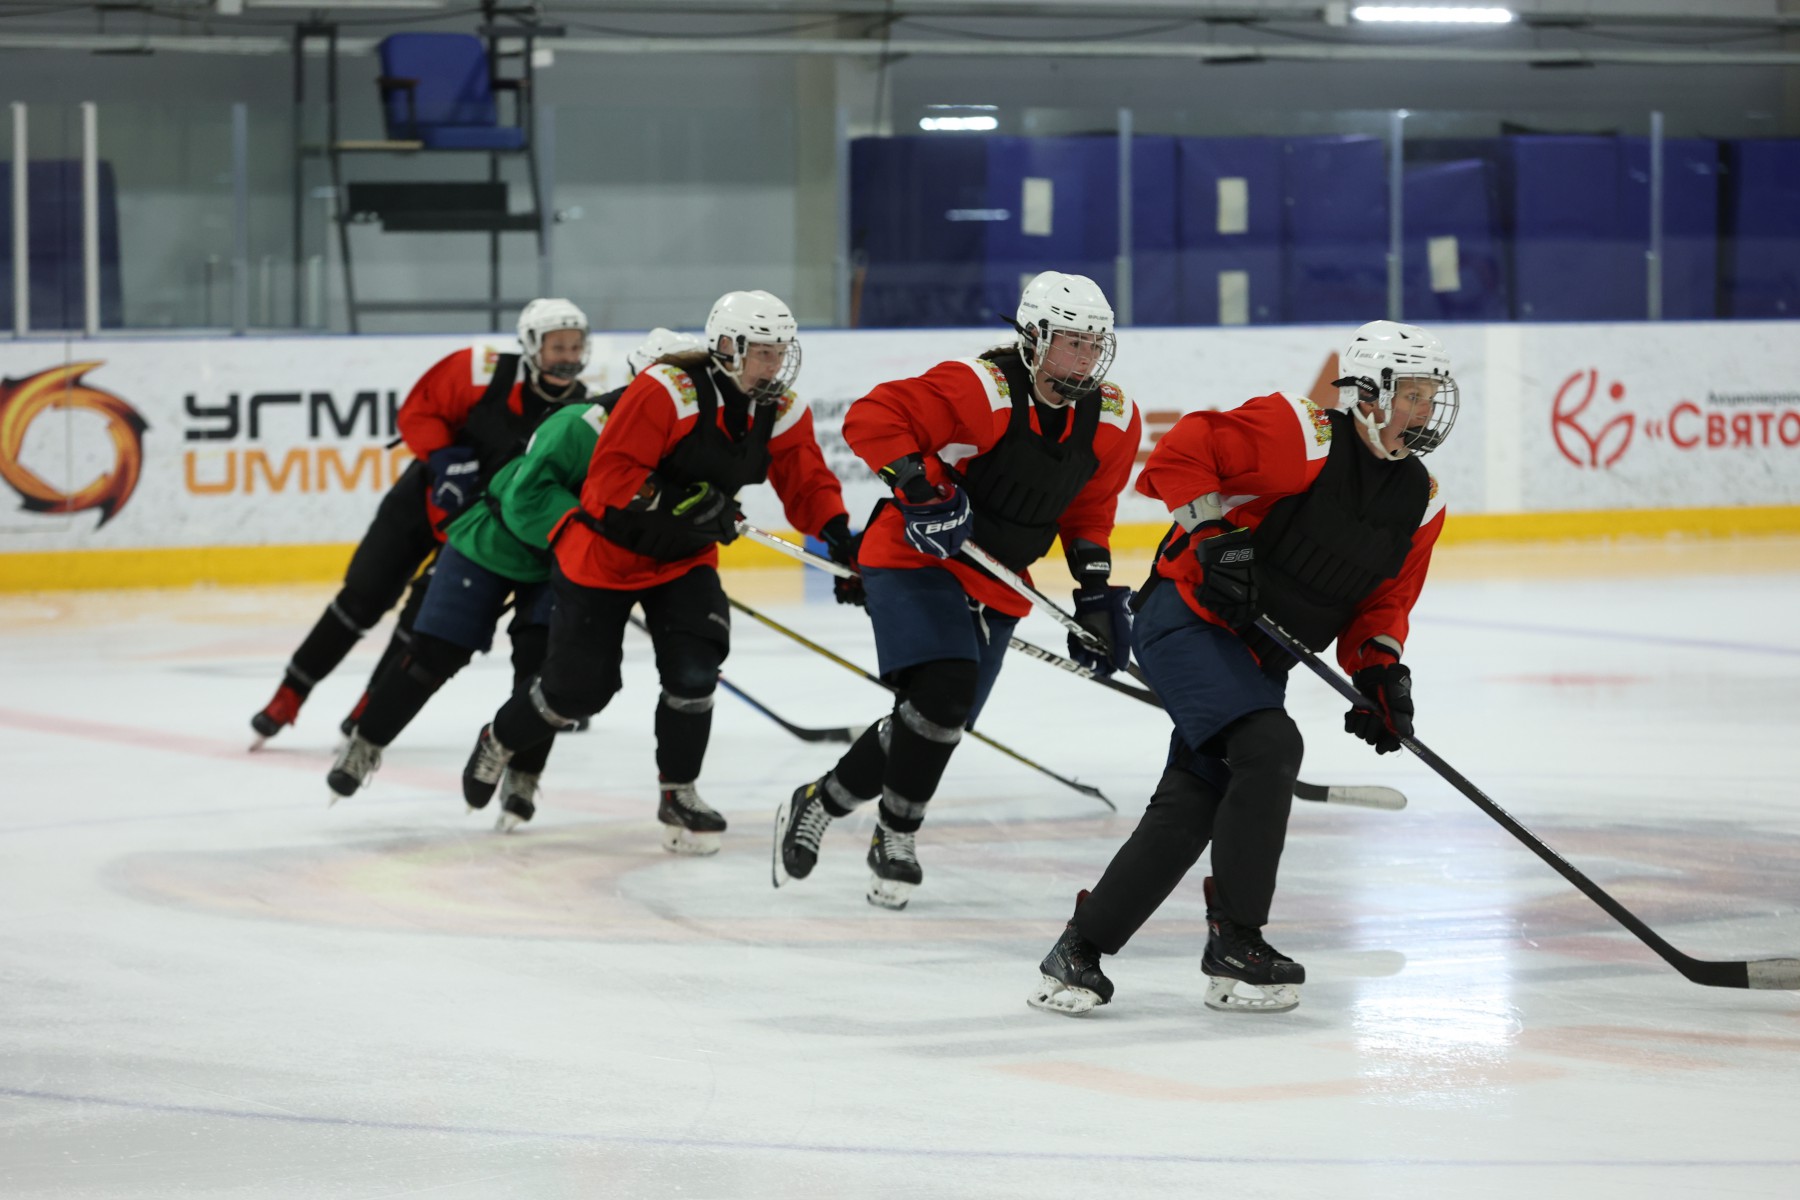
709, 512
1104, 612
1229, 586
455, 478
842, 548
941, 527
1389, 715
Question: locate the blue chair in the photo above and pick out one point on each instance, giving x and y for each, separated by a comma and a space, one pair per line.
439, 89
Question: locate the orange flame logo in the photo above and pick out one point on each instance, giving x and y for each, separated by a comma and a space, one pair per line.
22, 400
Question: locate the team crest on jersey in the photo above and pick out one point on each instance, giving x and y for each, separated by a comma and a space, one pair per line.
1321, 422
684, 383
1112, 399
998, 376
1432, 495
785, 405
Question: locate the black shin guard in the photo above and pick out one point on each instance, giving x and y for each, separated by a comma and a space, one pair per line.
683, 727
527, 720
1160, 851
404, 691
338, 629
922, 734
1264, 750
858, 773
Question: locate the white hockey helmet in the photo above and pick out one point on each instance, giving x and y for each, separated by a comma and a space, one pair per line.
543, 317
659, 343
1074, 306
1381, 354
744, 319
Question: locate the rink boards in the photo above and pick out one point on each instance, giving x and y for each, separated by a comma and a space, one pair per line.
260, 459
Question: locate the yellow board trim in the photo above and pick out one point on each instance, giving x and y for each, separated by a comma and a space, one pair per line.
56, 570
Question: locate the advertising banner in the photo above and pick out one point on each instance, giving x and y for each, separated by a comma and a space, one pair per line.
116, 444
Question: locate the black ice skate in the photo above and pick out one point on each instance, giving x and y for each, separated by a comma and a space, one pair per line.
1236, 958
357, 761
276, 715
690, 825
518, 800
800, 825
894, 868
1072, 982
482, 773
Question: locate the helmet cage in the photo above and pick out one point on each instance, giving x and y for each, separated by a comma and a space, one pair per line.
732, 365
541, 318
1036, 341
1446, 403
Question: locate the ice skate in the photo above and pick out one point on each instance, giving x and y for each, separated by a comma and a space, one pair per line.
800, 825
276, 715
518, 800
1072, 982
1245, 973
690, 825
482, 773
894, 868
357, 761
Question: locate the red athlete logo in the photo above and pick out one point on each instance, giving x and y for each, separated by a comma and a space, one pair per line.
1602, 448
21, 400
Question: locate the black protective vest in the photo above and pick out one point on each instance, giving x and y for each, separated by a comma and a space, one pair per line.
706, 455
496, 433
1020, 488
1322, 552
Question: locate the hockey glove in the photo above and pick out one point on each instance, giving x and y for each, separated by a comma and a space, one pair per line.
709, 512
1229, 586
455, 478
842, 548
938, 520
1389, 715
1104, 612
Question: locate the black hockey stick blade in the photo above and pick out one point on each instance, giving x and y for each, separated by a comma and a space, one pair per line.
1351, 796
805, 733
840, 733
1775, 974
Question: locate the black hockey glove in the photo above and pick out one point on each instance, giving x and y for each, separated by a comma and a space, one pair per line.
1389, 716
938, 522
709, 512
455, 478
1229, 586
1104, 612
842, 548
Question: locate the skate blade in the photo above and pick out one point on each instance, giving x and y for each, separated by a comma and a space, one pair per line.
1223, 995
888, 893
1053, 995
678, 839
506, 822
778, 872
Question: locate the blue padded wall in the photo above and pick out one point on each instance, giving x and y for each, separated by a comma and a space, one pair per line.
1155, 231
56, 269
1762, 228
1453, 200
1083, 236
918, 247
1334, 190
1205, 251
1581, 209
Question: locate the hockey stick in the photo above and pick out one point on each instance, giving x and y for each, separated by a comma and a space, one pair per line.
805, 733
1086, 789
1351, 796
1777, 974
1358, 797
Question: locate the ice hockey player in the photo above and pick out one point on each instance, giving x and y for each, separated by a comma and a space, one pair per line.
1011, 449
465, 418
1324, 521
496, 550
660, 497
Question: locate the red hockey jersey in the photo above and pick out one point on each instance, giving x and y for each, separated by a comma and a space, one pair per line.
1253, 456
438, 405
955, 412
656, 412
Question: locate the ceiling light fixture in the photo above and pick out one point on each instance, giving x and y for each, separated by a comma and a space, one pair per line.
1411, 14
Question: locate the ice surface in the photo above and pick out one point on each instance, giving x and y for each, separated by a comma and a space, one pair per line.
213, 985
